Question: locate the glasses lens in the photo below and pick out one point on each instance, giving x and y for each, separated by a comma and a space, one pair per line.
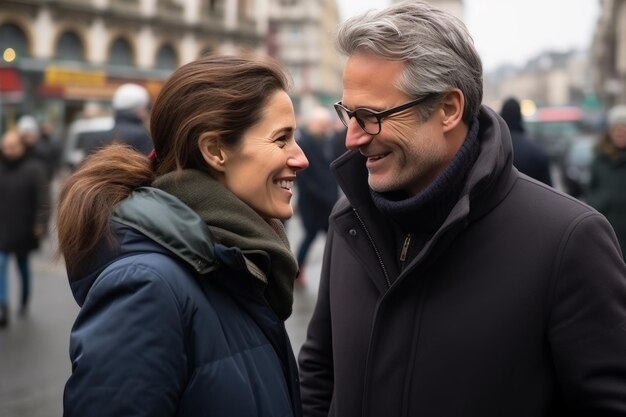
343, 114
368, 121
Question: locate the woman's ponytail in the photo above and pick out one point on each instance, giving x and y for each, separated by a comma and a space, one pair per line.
90, 194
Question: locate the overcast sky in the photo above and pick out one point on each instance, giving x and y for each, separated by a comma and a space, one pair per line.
511, 31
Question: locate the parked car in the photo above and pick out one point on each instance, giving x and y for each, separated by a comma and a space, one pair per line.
556, 129
567, 134
78, 133
577, 167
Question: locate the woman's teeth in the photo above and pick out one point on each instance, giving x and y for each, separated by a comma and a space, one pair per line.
288, 185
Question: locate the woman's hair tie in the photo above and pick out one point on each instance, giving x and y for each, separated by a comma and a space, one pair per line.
152, 156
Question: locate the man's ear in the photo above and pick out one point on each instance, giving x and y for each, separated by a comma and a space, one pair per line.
211, 150
453, 105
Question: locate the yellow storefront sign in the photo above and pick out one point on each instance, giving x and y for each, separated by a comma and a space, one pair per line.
55, 76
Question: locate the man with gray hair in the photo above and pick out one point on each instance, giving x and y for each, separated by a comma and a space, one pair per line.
131, 105
452, 284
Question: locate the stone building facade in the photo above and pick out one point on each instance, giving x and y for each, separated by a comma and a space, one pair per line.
302, 37
609, 53
57, 56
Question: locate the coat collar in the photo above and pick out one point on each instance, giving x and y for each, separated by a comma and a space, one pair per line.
160, 216
487, 183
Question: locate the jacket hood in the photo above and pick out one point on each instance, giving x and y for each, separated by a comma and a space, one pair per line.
150, 221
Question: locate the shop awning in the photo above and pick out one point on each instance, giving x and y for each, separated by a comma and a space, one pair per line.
10, 81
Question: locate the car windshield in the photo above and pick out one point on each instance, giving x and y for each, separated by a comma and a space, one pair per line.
553, 129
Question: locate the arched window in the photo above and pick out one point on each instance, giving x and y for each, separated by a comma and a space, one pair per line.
70, 47
171, 8
213, 8
12, 36
121, 53
166, 57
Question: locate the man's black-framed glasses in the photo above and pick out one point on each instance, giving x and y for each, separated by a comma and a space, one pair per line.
370, 120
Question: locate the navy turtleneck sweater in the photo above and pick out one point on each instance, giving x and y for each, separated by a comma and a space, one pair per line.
423, 214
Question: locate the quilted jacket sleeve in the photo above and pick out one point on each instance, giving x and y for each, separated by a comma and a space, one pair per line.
127, 347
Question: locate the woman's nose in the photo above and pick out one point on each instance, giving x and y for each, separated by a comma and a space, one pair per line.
298, 161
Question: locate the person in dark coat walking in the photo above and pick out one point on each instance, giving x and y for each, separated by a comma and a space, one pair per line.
180, 261
607, 188
39, 144
528, 156
317, 187
131, 105
452, 284
24, 208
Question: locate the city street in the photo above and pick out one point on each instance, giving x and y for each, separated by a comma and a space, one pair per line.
34, 359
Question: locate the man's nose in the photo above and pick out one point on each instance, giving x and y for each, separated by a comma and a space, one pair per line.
356, 136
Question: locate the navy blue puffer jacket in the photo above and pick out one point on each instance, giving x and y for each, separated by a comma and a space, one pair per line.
173, 325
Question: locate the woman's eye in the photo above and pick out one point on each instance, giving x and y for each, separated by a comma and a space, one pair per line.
282, 141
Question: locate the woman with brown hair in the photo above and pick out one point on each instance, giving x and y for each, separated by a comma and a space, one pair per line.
180, 262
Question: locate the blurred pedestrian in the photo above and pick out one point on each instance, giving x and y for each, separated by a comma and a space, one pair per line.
24, 208
131, 106
451, 284
52, 143
180, 262
37, 144
607, 188
528, 156
317, 187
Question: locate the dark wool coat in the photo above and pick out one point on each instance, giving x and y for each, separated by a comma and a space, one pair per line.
24, 203
317, 187
607, 191
530, 158
170, 325
515, 307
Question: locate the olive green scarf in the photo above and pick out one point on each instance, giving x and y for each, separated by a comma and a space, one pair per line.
233, 223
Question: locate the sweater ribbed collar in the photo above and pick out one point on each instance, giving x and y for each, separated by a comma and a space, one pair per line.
426, 211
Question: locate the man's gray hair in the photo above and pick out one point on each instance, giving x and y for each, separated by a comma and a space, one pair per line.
437, 48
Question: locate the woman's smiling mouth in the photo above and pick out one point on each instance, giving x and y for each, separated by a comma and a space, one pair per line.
285, 184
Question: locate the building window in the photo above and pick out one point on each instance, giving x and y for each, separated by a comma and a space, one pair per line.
125, 5
166, 57
170, 8
13, 37
214, 8
121, 53
69, 47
